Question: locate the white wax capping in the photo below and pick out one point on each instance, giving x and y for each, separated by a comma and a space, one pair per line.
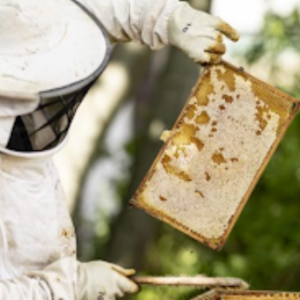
201, 184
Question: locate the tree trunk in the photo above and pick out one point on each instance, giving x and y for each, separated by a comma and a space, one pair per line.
133, 59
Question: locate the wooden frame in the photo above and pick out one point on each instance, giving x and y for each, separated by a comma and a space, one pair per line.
224, 85
247, 295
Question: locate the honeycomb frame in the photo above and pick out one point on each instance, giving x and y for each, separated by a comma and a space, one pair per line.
247, 295
230, 143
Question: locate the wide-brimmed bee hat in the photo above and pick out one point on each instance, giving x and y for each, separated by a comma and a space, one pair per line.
51, 52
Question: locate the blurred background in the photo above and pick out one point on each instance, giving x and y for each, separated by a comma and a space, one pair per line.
116, 137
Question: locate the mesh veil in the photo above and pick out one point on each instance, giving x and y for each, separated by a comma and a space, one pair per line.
48, 125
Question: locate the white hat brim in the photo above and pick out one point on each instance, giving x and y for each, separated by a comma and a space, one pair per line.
79, 58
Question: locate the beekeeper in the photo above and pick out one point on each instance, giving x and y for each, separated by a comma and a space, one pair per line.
51, 52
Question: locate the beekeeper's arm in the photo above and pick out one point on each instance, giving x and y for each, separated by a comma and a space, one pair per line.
70, 280
158, 23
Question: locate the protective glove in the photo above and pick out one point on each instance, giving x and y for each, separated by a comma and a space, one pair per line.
199, 34
103, 281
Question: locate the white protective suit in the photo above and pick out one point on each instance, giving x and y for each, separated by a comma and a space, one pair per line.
37, 239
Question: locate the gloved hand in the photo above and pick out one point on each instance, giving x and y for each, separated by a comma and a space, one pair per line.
103, 281
199, 34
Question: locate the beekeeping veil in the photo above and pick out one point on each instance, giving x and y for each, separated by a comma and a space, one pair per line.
51, 52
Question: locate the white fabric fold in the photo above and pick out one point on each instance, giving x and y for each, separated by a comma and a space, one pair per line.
142, 21
37, 238
55, 282
34, 215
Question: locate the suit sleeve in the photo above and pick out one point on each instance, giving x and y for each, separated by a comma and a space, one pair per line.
24, 288
142, 21
56, 282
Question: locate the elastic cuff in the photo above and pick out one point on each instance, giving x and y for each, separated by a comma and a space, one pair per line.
168, 11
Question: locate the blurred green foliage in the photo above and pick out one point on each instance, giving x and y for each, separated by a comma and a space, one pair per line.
278, 34
264, 247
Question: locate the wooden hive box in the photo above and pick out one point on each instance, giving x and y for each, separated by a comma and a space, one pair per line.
216, 153
247, 295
